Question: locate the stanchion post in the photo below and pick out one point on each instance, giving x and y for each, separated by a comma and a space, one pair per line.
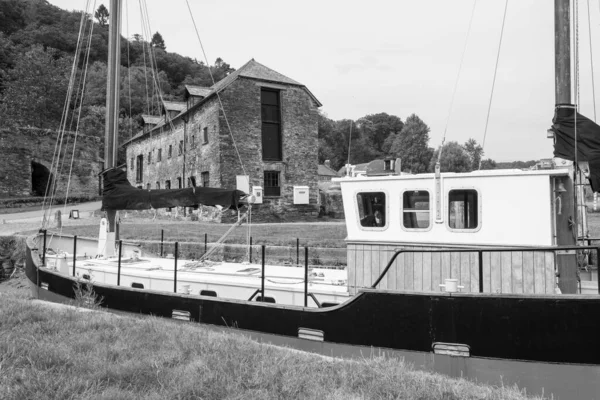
297, 251
262, 278
250, 251
305, 276
175, 273
44, 249
119, 264
74, 253
162, 239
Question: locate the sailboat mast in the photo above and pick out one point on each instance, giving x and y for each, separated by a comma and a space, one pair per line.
112, 110
113, 85
562, 48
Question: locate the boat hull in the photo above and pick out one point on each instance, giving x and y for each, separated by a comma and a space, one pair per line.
544, 344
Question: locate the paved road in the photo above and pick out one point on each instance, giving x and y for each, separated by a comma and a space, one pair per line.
28, 220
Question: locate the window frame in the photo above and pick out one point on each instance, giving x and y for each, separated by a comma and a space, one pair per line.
431, 211
205, 178
205, 135
170, 152
180, 148
139, 168
386, 208
159, 155
447, 205
278, 124
265, 183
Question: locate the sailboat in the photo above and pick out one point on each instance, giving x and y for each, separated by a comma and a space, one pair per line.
453, 273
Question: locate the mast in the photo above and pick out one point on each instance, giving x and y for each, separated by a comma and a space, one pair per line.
112, 110
562, 49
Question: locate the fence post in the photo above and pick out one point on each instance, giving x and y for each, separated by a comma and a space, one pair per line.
480, 271
74, 253
119, 264
262, 278
205, 243
305, 276
162, 239
175, 279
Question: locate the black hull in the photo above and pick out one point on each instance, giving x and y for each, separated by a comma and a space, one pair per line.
546, 344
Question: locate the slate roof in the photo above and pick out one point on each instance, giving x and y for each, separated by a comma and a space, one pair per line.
357, 168
198, 90
151, 119
324, 170
175, 105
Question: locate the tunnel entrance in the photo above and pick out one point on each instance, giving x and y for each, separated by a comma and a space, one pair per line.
40, 179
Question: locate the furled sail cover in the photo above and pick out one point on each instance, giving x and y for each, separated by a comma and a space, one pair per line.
588, 141
118, 194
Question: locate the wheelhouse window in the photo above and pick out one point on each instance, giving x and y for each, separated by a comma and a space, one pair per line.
271, 125
205, 177
416, 209
371, 209
272, 183
463, 210
139, 170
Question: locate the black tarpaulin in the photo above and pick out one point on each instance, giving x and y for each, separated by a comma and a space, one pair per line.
588, 140
118, 194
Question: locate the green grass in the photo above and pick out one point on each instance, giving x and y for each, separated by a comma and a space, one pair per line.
311, 235
64, 354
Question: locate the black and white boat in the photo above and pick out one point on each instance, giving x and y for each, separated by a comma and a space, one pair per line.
458, 273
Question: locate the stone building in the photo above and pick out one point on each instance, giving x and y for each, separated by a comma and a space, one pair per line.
269, 123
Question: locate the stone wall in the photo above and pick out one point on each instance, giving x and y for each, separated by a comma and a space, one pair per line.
27, 152
219, 156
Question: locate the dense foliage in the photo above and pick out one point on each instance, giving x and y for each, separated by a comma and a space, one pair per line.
38, 48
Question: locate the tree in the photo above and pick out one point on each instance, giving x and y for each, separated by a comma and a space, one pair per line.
102, 15
454, 159
412, 145
36, 88
158, 41
475, 152
376, 128
488, 164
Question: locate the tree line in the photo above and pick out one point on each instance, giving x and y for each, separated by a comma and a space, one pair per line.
38, 42
387, 136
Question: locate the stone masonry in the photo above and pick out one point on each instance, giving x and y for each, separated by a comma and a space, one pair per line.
27, 160
241, 99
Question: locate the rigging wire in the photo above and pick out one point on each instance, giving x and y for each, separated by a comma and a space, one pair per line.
349, 142
487, 119
144, 54
216, 91
462, 57
51, 184
128, 70
591, 58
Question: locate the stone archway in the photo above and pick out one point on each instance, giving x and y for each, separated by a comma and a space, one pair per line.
41, 178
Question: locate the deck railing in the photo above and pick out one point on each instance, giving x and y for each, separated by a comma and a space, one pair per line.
480, 257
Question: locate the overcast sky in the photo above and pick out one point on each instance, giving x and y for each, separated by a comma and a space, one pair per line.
398, 56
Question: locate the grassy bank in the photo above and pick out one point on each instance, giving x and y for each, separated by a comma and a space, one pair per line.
59, 354
312, 235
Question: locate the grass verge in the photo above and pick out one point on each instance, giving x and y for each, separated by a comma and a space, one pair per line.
58, 354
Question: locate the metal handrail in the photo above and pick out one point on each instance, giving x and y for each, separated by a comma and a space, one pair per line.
480, 253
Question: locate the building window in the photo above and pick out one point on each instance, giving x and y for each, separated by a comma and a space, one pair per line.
150, 158
170, 152
132, 163
193, 142
272, 184
415, 209
148, 186
179, 183
139, 170
271, 125
205, 135
180, 152
205, 179
371, 209
192, 181
167, 184
159, 156
158, 185
463, 210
